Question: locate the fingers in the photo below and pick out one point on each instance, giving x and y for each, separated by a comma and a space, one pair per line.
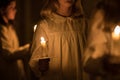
25, 47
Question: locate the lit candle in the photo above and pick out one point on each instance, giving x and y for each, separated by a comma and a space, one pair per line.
35, 26
43, 42
116, 33
115, 45
44, 46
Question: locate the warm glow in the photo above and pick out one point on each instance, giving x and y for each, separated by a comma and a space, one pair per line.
116, 33
35, 28
42, 41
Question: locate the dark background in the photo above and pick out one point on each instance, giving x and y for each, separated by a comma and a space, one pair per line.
28, 12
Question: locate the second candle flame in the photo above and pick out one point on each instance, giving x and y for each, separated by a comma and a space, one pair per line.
116, 33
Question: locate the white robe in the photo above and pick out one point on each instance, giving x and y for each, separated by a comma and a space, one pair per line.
11, 65
65, 41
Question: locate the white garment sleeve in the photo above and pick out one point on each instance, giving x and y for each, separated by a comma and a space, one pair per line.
36, 48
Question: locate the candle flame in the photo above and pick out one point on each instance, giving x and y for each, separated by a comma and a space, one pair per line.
116, 33
43, 41
117, 30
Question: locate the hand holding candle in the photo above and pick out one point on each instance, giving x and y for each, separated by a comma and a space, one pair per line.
44, 65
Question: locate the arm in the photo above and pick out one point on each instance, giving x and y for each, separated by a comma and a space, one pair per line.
18, 54
36, 49
8, 52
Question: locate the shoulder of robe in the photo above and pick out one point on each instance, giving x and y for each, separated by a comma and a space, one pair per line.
3, 29
43, 23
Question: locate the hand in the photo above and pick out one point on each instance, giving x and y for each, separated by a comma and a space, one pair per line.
24, 50
25, 47
44, 64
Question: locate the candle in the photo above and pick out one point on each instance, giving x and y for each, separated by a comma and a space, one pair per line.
115, 44
35, 26
43, 42
44, 61
116, 33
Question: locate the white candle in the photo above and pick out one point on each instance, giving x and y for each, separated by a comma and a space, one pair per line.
116, 33
43, 42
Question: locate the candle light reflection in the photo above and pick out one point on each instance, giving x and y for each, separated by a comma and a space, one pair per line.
35, 26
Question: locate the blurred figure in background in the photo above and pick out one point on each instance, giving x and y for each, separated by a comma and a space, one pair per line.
102, 55
88, 6
63, 28
11, 54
